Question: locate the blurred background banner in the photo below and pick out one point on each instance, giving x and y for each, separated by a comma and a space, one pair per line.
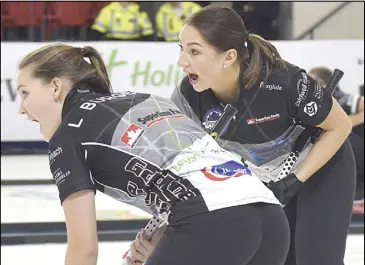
151, 67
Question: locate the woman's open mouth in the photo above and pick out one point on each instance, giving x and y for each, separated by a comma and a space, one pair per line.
193, 79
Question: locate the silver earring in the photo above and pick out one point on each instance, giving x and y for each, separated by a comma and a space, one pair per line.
224, 66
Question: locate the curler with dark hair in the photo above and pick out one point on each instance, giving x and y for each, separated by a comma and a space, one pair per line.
224, 29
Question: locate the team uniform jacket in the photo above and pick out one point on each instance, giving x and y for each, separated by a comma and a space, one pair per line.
142, 150
270, 117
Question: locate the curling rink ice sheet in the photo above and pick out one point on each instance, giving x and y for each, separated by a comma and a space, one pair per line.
111, 253
25, 167
40, 203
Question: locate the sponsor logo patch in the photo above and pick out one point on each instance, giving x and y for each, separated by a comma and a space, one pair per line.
52, 155
311, 108
59, 176
318, 92
263, 119
302, 89
271, 87
210, 119
160, 116
132, 135
251, 121
222, 172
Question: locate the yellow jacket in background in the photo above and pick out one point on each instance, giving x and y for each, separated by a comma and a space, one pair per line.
118, 22
168, 24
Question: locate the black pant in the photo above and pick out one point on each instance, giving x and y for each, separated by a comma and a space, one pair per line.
320, 215
253, 234
357, 143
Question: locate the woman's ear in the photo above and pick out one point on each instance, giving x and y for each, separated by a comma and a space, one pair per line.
56, 84
230, 58
60, 86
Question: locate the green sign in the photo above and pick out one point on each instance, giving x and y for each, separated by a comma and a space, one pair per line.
144, 73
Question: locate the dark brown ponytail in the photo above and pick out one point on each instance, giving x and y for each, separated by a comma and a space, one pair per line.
263, 53
65, 60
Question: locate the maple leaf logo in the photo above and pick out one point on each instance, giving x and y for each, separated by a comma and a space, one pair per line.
132, 135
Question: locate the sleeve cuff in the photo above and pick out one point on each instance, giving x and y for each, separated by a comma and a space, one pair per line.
67, 193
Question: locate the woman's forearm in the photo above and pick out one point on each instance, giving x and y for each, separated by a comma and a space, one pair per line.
357, 119
81, 256
324, 148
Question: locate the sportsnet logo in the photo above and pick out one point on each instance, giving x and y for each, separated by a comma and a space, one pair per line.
222, 172
263, 119
132, 135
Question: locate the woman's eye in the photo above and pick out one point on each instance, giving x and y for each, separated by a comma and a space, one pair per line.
24, 93
194, 52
